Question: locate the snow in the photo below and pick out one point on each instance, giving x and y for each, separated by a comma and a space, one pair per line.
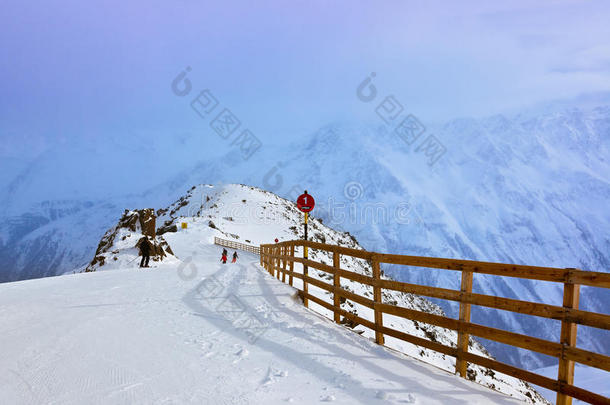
163, 336
255, 216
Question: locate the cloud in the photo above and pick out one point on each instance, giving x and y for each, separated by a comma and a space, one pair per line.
77, 68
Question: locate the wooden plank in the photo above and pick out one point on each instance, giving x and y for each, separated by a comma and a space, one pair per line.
291, 265
359, 253
339, 292
463, 337
318, 283
356, 298
285, 253
344, 313
317, 265
416, 340
271, 260
337, 285
265, 258
583, 394
356, 319
588, 358
595, 279
360, 278
305, 272
565, 374
377, 298
512, 371
499, 335
590, 278
419, 316
515, 339
537, 379
275, 260
592, 319
315, 299
350, 275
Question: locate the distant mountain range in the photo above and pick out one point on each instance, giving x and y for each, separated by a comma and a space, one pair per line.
531, 188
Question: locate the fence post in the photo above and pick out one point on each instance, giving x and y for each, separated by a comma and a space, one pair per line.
280, 263
462, 341
291, 265
284, 250
305, 286
271, 260
260, 253
337, 285
276, 270
377, 297
565, 374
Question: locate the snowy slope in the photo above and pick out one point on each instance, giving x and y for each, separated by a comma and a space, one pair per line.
168, 336
254, 216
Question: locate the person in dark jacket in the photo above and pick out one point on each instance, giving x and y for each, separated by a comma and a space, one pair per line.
234, 257
145, 249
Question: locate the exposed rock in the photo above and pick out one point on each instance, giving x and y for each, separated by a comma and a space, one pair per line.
167, 228
136, 222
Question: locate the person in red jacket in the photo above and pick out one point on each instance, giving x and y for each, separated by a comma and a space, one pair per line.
224, 258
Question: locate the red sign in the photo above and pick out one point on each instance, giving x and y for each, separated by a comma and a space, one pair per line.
305, 202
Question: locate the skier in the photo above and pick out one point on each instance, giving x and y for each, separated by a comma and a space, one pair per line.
234, 257
145, 248
224, 257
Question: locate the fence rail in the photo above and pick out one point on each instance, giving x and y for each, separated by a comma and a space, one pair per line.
279, 259
236, 245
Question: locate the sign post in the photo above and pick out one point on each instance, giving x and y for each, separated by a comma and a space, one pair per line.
305, 204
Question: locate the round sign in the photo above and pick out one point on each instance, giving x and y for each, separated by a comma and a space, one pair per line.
305, 202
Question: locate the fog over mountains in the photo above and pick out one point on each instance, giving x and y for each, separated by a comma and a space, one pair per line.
530, 188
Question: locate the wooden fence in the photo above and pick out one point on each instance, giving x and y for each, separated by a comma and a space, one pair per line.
279, 260
236, 245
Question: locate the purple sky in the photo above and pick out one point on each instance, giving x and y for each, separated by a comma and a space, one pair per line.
72, 69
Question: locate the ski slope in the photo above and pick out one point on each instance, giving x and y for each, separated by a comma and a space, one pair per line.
203, 332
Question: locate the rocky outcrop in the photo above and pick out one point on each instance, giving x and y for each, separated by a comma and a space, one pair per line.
132, 228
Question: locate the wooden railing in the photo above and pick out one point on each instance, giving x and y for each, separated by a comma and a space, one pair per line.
236, 245
279, 260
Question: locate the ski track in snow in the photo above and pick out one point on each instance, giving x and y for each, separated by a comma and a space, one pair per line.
151, 336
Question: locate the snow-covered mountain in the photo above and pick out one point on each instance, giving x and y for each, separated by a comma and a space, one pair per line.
530, 188
53, 237
526, 189
254, 216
